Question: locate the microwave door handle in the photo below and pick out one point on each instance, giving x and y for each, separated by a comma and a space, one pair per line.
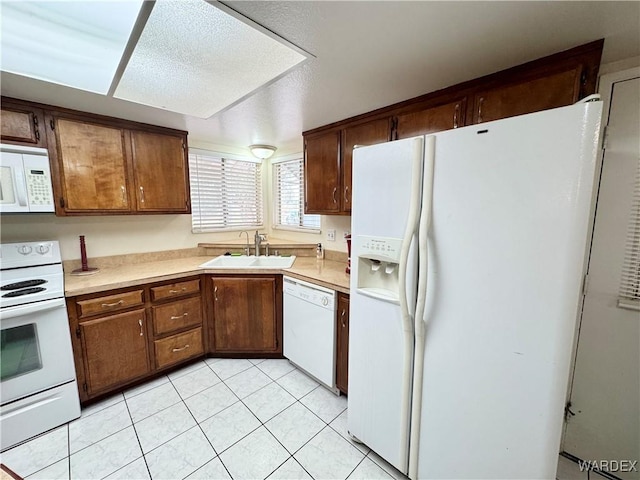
21, 187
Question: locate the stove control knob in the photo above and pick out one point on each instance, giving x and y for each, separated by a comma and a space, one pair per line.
43, 248
24, 249
325, 301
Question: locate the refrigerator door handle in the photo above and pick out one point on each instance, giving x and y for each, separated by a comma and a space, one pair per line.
413, 217
419, 321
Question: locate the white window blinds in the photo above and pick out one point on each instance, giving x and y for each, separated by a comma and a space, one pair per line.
288, 191
629, 295
225, 193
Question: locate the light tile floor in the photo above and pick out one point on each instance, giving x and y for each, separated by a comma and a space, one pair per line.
214, 419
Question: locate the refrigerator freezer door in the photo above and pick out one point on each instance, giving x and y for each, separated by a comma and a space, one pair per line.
507, 245
385, 211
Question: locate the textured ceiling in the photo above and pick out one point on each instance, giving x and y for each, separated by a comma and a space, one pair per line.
372, 54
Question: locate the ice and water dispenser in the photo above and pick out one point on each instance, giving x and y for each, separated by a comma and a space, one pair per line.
378, 266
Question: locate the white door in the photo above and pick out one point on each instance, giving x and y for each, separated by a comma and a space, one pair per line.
605, 395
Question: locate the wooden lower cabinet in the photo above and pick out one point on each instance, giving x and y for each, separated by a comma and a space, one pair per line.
342, 343
124, 336
178, 348
115, 350
247, 314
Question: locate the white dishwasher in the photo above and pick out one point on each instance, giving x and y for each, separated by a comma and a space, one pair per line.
310, 328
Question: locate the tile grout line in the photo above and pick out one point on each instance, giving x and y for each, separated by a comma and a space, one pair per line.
133, 425
217, 455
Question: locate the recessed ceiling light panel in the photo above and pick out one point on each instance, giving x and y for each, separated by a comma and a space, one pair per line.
78, 44
195, 58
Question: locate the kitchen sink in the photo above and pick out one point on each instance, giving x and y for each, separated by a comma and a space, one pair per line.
243, 261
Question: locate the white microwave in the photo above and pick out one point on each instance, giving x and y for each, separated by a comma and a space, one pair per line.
25, 180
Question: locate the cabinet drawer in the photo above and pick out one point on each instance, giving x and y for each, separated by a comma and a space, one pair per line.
176, 315
110, 303
179, 347
175, 289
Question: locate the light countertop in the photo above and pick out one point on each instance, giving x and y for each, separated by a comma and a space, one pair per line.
327, 273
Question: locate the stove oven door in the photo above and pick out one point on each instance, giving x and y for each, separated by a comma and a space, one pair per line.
36, 349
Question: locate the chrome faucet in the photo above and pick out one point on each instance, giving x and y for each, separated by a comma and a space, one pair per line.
246, 249
257, 239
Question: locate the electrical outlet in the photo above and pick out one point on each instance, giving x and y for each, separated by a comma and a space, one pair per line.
331, 235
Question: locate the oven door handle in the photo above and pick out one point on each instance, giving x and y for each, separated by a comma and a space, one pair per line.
22, 310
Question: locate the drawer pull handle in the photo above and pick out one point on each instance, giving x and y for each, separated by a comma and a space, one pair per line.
344, 325
178, 317
180, 349
115, 304
335, 190
183, 289
140, 323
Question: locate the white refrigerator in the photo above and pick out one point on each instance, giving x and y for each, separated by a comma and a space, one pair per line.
468, 255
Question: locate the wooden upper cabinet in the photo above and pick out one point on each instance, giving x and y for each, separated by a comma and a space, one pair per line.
369, 133
23, 125
430, 120
92, 166
245, 315
550, 91
103, 166
322, 173
160, 171
115, 350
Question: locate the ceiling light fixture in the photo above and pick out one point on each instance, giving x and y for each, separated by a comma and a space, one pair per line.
262, 151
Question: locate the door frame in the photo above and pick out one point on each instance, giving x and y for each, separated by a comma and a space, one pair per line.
605, 89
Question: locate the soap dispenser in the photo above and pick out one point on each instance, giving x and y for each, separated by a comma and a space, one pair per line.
319, 252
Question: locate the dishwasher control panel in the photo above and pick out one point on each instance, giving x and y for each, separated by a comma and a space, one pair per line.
309, 292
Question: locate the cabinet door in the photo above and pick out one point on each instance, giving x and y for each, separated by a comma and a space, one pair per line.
552, 91
92, 165
322, 173
430, 120
342, 350
368, 133
244, 315
115, 350
160, 170
23, 124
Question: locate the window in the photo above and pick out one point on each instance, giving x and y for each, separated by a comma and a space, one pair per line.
629, 296
225, 193
288, 192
